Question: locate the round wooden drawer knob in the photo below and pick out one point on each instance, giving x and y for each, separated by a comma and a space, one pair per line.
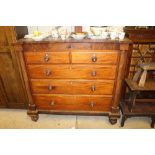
46, 58
50, 87
94, 58
93, 73
48, 72
92, 104
93, 88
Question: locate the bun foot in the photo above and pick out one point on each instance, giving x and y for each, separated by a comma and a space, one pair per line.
34, 118
112, 120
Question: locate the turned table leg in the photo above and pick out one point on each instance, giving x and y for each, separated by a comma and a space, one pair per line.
123, 120
153, 122
132, 99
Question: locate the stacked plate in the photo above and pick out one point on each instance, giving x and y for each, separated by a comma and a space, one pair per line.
108, 32
78, 36
37, 37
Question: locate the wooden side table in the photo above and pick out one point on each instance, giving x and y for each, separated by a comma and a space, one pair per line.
132, 106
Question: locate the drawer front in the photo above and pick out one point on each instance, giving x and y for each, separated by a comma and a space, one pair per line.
71, 71
106, 46
95, 57
46, 57
81, 46
59, 46
70, 102
98, 87
46, 47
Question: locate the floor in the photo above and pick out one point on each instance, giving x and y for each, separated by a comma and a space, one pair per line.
19, 119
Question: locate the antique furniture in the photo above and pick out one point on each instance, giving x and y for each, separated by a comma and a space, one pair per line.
74, 76
140, 83
143, 46
12, 91
143, 52
133, 106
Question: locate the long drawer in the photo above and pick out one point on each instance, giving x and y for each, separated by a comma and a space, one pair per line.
92, 87
70, 102
54, 47
46, 57
95, 57
46, 47
72, 71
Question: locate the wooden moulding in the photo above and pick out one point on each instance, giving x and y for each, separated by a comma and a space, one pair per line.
32, 111
123, 70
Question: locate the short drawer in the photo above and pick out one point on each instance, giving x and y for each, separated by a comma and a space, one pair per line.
71, 71
46, 57
70, 102
95, 57
91, 87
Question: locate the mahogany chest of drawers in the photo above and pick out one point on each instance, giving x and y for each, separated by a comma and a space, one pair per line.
74, 77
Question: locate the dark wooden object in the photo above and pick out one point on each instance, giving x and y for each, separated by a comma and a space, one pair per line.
143, 47
141, 35
143, 52
132, 106
74, 76
12, 91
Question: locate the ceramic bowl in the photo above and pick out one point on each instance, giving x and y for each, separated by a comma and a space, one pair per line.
96, 30
38, 38
28, 36
89, 35
96, 37
104, 35
121, 35
78, 36
63, 37
113, 35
